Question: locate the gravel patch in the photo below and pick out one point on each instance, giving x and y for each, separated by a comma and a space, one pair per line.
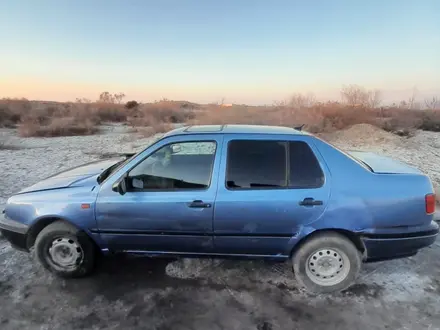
140, 293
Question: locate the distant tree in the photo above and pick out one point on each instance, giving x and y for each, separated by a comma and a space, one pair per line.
279, 103
300, 101
412, 99
374, 98
82, 100
353, 95
118, 97
432, 103
106, 97
403, 105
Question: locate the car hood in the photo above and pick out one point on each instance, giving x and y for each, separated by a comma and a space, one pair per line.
77, 176
382, 164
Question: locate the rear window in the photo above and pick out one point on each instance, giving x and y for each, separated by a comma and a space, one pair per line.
345, 153
256, 164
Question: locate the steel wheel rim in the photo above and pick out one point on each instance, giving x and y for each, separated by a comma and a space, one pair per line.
65, 253
328, 266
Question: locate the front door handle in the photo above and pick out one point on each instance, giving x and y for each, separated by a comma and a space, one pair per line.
310, 202
199, 204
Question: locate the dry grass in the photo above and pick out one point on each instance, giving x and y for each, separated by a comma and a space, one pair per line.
323, 117
46, 118
319, 118
67, 126
157, 117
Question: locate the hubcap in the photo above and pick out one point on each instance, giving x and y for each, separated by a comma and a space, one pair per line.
328, 267
65, 253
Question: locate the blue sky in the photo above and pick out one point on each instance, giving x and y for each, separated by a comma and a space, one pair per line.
246, 51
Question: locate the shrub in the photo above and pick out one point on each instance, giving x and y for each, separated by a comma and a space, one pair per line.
160, 112
11, 111
8, 118
155, 129
67, 126
131, 104
110, 113
319, 118
430, 120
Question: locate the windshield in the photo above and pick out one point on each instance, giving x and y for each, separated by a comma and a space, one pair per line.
110, 170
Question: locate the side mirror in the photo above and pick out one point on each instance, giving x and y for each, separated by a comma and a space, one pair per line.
175, 148
120, 186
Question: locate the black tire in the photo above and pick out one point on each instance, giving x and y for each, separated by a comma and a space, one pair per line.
326, 242
60, 231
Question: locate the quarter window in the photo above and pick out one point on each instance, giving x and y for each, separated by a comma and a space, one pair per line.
305, 171
178, 166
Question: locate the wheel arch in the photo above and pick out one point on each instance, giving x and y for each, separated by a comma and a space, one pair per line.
42, 223
353, 237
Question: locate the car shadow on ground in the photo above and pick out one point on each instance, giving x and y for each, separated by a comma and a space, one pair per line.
118, 276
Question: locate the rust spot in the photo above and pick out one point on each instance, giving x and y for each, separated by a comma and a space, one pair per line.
85, 206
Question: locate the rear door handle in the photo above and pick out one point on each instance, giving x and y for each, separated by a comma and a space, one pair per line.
310, 202
199, 204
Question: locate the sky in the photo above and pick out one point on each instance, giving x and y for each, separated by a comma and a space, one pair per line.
242, 51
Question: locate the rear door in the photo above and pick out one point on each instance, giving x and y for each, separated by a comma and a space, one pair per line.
269, 187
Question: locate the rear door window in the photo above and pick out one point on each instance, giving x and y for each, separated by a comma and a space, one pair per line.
257, 164
254, 164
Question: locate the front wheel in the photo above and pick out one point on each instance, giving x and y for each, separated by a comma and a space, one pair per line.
64, 250
327, 262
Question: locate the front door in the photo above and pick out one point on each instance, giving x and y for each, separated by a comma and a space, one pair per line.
169, 203
269, 187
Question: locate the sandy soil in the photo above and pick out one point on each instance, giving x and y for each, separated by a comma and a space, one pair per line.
140, 293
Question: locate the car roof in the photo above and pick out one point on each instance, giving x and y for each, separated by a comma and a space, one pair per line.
234, 129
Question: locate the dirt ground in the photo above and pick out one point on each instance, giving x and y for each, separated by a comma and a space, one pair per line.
141, 293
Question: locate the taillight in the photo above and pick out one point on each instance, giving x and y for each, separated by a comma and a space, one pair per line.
430, 203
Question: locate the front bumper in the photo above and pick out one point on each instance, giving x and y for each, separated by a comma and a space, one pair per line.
384, 247
15, 232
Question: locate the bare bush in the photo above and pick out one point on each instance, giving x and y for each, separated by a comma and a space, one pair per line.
301, 101
106, 97
355, 95
159, 112
57, 127
82, 100
412, 99
109, 112
374, 98
432, 103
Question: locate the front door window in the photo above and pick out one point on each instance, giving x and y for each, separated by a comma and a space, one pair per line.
177, 166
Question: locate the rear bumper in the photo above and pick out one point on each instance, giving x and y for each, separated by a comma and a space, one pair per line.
14, 232
384, 247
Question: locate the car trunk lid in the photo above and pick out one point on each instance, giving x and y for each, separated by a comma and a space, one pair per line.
382, 164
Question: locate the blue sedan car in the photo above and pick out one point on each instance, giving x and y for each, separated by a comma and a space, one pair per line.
230, 191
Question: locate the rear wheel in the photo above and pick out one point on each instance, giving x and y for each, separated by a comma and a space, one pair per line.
64, 250
327, 262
